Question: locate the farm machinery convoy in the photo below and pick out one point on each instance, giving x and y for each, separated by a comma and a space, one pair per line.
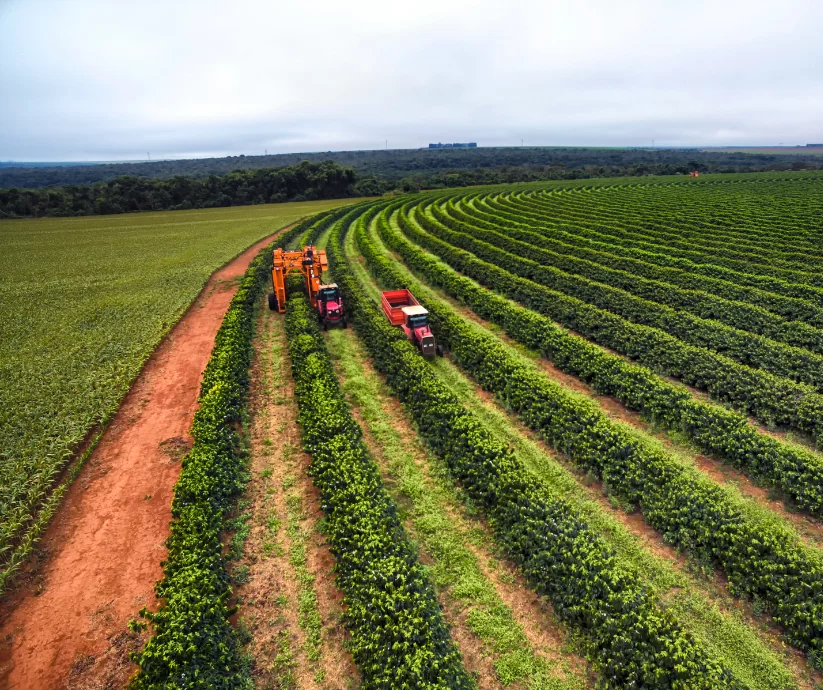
399, 306
326, 299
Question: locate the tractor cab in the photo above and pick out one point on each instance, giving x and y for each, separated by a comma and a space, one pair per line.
330, 305
328, 293
418, 330
416, 316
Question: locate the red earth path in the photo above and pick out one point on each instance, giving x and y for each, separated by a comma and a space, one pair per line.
105, 545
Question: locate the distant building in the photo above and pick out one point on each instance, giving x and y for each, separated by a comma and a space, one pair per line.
470, 145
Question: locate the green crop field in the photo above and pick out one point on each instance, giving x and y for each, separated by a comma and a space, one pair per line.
714, 283
83, 301
612, 477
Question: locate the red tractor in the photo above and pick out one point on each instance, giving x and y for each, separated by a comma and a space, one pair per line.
330, 306
402, 309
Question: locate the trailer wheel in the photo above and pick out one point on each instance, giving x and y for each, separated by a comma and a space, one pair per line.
272, 301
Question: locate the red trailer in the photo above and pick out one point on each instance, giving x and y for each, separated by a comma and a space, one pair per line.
402, 309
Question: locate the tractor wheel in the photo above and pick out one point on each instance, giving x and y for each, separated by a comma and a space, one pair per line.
345, 323
439, 350
325, 325
272, 301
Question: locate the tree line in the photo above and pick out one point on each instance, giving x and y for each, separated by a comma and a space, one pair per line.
399, 164
307, 181
303, 182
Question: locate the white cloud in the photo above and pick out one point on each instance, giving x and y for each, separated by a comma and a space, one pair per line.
96, 79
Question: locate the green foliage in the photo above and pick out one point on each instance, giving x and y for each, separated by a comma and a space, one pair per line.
454, 567
761, 558
82, 305
770, 398
714, 429
303, 182
634, 643
708, 236
399, 638
541, 266
792, 301
406, 169
629, 274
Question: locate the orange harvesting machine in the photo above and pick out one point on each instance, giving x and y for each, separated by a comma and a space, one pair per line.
310, 261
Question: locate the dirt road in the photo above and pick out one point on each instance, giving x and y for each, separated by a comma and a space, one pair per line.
66, 628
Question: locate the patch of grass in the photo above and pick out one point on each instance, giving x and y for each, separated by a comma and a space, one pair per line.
240, 527
308, 613
240, 575
282, 666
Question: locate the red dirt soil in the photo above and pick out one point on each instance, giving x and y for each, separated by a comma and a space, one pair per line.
106, 543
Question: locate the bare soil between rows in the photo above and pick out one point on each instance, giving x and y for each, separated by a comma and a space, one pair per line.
65, 625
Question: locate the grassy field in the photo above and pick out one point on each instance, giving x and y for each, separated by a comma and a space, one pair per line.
83, 302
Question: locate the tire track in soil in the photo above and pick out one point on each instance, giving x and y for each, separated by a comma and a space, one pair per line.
64, 624
269, 601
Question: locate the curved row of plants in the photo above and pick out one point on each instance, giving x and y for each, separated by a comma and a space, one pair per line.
717, 431
647, 214
787, 272
519, 209
541, 266
639, 213
193, 643
399, 637
611, 238
769, 398
769, 314
761, 557
786, 212
716, 245
631, 641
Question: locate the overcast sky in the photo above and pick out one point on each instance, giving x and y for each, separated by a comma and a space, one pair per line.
115, 79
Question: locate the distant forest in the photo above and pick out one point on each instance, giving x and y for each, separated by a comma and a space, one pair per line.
244, 180
424, 163
303, 182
